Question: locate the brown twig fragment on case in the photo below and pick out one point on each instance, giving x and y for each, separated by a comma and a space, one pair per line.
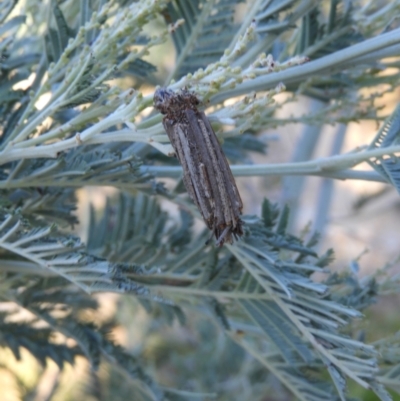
206, 172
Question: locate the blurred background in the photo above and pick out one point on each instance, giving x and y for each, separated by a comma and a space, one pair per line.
361, 220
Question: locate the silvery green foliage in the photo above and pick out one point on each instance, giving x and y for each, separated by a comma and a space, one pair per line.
65, 124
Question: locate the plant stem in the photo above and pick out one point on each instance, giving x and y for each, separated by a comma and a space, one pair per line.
324, 65
326, 187
293, 185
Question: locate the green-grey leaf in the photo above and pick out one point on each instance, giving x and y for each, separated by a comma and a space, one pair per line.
13, 22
